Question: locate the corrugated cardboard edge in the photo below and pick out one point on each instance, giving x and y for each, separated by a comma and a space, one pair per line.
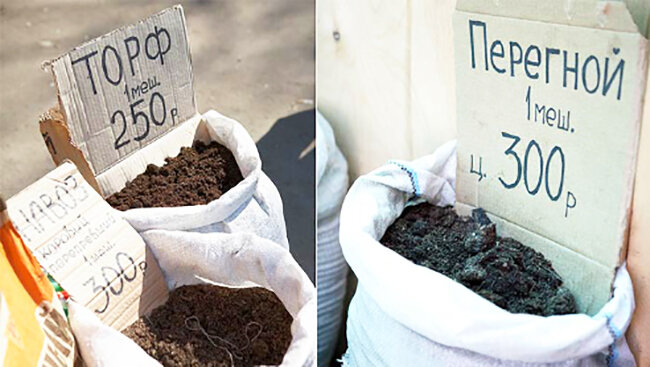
58, 141
638, 256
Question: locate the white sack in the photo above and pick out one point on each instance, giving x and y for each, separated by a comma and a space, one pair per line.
332, 184
253, 205
405, 314
235, 260
331, 170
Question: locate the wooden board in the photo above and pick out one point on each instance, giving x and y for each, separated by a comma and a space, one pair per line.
384, 78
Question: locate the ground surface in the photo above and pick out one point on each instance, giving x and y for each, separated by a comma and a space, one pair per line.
291, 167
253, 61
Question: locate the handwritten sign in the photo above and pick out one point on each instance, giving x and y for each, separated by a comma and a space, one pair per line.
548, 122
121, 91
83, 243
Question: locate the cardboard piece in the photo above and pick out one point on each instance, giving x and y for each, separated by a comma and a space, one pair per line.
395, 60
547, 145
121, 92
84, 245
34, 329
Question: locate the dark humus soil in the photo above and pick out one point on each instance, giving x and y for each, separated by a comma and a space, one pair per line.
207, 325
511, 275
196, 176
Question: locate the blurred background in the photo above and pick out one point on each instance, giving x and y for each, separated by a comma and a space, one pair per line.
253, 61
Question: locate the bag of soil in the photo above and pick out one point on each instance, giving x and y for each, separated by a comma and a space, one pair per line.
199, 190
406, 314
134, 164
228, 260
332, 184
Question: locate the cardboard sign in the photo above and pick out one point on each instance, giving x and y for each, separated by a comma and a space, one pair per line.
34, 329
121, 91
82, 242
548, 122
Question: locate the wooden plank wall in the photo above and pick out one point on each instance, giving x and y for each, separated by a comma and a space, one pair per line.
385, 78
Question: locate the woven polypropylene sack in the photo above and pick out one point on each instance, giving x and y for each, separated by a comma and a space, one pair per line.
252, 206
234, 260
332, 183
405, 314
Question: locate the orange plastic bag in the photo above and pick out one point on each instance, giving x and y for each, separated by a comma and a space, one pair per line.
33, 328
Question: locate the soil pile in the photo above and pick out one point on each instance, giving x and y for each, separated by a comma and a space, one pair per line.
466, 249
197, 176
207, 325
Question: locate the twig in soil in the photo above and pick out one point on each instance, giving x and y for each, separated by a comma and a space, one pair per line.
200, 328
237, 351
186, 299
250, 340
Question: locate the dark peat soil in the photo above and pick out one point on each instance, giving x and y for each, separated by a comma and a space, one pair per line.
198, 175
466, 249
208, 325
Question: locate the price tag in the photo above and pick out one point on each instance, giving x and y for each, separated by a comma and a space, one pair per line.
81, 241
548, 120
121, 91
